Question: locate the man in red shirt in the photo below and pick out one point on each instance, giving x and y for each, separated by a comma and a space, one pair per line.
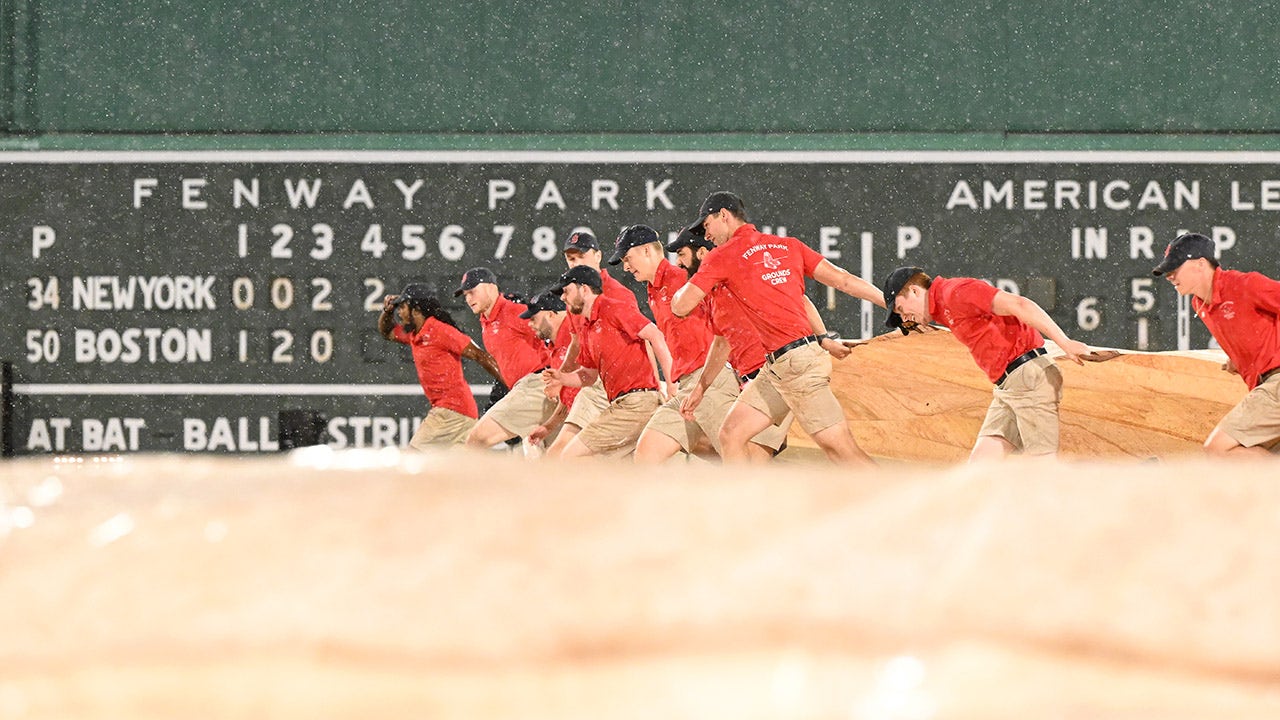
1242, 311
616, 343
689, 338
735, 341
1004, 335
520, 354
438, 348
582, 248
548, 316
766, 273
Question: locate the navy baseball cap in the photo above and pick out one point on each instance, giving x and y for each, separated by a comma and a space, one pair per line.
548, 300
414, 292
892, 286
632, 236
687, 239
715, 202
581, 275
581, 241
1184, 248
474, 277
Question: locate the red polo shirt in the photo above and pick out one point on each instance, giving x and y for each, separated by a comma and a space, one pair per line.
611, 343
559, 349
766, 273
746, 351
437, 353
1244, 317
513, 344
964, 305
688, 337
609, 288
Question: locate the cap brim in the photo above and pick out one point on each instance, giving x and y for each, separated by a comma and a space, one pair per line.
529, 313
696, 226
617, 258
1168, 265
893, 321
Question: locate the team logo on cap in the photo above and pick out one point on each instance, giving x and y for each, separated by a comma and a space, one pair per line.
1167, 249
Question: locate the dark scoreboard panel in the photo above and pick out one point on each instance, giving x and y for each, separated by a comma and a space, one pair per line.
180, 301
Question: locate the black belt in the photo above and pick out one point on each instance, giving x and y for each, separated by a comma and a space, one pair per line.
1267, 375
792, 346
1018, 362
744, 379
632, 390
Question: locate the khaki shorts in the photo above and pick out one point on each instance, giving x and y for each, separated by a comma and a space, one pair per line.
620, 425
524, 408
798, 382
775, 435
587, 405
1025, 410
1255, 420
442, 426
708, 417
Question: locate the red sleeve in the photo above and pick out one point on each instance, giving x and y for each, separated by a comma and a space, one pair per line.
1266, 290
453, 339
970, 296
630, 321
810, 257
399, 335
713, 271
585, 358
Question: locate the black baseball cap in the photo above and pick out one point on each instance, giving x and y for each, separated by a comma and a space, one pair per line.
1184, 248
581, 275
548, 300
715, 202
689, 240
632, 236
892, 286
581, 241
474, 277
413, 293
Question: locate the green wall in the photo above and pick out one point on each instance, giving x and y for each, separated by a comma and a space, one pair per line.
666, 66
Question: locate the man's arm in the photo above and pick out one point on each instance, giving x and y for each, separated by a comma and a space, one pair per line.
485, 360
686, 299
717, 356
1032, 314
571, 355
847, 283
652, 335
582, 377
838, 350
548, 426
386, 320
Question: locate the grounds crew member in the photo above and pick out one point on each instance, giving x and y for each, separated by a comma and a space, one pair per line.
520, 355
734, 340
689, 338
1005, 335
548, 317
1242, 312
438, 348
766, 273
582, 248
616, 344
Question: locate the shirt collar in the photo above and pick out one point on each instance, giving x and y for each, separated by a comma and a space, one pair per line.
665, 268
